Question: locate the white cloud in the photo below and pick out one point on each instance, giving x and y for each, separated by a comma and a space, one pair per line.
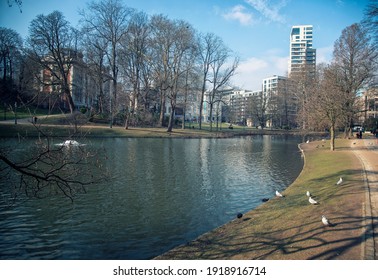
268, 9
238, 13
324, 54
253, 70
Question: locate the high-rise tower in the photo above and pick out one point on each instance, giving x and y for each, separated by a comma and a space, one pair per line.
302, 54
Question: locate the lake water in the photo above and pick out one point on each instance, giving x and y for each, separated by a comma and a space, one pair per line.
162, 193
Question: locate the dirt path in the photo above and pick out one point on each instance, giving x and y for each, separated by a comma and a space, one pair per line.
367, 152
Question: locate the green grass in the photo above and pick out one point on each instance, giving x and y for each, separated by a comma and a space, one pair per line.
48, 127
65, 125
23, 113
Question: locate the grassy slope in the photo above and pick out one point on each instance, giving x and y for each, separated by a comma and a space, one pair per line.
291, 228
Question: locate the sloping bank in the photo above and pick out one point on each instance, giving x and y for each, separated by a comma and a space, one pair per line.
290, 227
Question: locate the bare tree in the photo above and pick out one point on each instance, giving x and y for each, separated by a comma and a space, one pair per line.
51, 44
10, 63
370, 20
134, 56
301, 86
109, 19
258, 109
160, 47
10, 46
172, 40
183, 44
97, 71
221, 71
208, 46
189, 83
41, 168
355, 58
17, 2
325, 107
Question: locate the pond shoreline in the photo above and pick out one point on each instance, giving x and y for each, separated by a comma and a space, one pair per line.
299, 234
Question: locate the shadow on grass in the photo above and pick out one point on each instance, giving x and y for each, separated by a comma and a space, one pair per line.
317, 242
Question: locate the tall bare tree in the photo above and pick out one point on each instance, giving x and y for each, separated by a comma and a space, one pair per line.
208, 45
221, 71
51, 44
97, 72
172, 40
301, 86
109, 20
370, 20
183, 46
325, 107
355, 57
10, 46
134, 56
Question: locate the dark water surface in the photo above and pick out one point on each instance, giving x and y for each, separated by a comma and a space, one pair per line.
164, 192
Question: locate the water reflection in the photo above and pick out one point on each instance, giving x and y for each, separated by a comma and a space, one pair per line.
163, 192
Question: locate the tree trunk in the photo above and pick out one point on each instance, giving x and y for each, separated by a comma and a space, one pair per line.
4, 68
171, 120
162, 109
71, 104
127, 120
332, 140
211, 116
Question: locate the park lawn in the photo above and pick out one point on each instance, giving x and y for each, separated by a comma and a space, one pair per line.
94, 130
290, 227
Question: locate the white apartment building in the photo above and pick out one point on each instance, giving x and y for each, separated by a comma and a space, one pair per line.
271, 85
302, 53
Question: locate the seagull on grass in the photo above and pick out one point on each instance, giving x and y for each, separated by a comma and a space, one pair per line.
340, 181
279, 194
312, 201
326, 222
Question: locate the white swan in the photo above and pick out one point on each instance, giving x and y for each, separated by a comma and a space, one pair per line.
69, 143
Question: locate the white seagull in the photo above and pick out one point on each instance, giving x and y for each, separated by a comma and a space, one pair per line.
279, 194
308, 193
312, 201
340, 181
308, 141
325, 221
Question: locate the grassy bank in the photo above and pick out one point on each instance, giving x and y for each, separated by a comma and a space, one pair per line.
70, 131
63, 126
290, 227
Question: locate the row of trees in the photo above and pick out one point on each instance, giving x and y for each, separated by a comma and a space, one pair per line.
147, 61
150, 61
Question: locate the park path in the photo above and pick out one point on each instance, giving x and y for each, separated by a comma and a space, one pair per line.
366, 150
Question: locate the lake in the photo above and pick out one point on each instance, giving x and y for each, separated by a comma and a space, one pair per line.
162, 193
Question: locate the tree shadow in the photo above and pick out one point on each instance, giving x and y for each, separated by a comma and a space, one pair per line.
317, 242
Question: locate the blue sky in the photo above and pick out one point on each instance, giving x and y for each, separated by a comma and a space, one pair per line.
256, 30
